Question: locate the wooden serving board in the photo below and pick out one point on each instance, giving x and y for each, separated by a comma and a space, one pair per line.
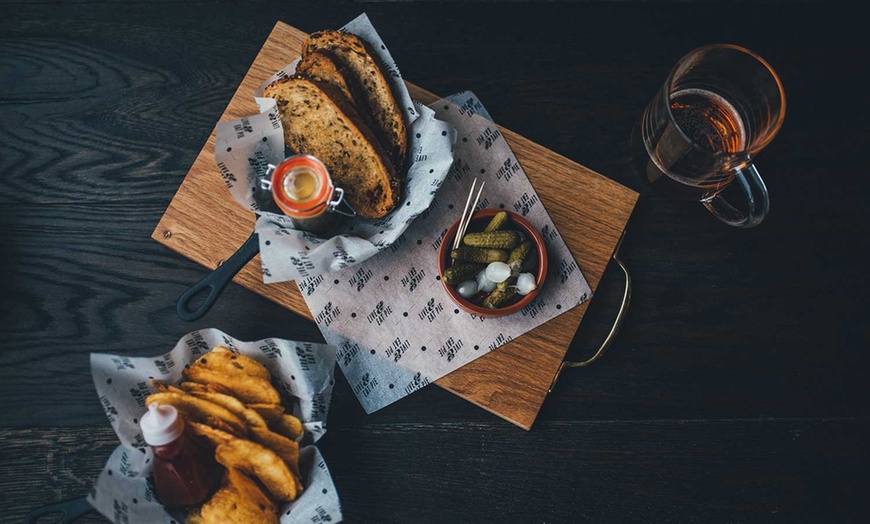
204, 223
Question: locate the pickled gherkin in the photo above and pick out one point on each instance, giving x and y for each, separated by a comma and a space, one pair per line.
506, 239
461, 272
518, 256
479, 255
499, 297
497, 222
510, 282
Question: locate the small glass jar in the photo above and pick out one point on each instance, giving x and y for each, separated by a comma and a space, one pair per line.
302, 188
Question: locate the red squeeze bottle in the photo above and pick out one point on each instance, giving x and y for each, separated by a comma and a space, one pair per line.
185, 472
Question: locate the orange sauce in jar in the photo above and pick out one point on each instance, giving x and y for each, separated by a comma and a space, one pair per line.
302, 189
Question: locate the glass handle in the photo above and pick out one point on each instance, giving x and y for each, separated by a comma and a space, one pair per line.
757, 201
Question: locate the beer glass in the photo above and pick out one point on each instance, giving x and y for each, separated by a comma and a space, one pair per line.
720, 105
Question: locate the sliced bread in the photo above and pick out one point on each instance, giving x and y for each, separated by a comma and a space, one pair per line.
370, 89
319, 121
321, 67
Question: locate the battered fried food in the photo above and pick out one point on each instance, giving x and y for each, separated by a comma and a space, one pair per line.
238, 501
251, 490
278, 421
192, 387
285, 448
261, 463
202, 411
163, 387
213, 436
223, 359
247, 388
228, 401
249, 487
269, 412
195, 517
234, 405
288, 425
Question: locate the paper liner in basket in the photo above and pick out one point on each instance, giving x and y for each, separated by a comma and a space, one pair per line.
302, 372
245, 147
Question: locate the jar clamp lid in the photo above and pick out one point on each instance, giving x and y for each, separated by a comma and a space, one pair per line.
302, 188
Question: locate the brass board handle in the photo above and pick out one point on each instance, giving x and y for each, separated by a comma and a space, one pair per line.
626, 298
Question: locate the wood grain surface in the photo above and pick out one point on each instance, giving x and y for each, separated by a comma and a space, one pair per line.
203, 222
734, 392
765, 478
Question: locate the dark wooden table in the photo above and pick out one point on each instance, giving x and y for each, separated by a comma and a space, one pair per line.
736, 390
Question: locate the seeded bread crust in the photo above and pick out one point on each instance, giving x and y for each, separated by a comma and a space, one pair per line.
319, 121
321, 67
369, 87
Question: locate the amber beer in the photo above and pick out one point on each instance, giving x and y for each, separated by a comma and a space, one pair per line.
709, 122
720, 105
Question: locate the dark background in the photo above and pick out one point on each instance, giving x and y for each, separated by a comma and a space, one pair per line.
736, 390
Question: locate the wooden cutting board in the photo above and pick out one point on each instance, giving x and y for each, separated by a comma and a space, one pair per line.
204, 223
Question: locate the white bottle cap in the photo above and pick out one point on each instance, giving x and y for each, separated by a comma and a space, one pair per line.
161, 424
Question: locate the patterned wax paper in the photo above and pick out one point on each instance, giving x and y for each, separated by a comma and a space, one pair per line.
395, 326
302, 372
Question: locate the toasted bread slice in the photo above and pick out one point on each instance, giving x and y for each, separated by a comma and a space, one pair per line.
319, 121
321, 67
369, 86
